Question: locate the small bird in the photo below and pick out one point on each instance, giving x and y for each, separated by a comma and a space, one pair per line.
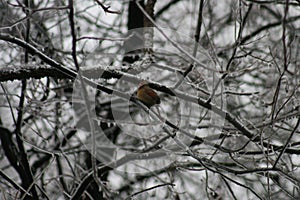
147, 95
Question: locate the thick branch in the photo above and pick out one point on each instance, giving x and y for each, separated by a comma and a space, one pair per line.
18, 72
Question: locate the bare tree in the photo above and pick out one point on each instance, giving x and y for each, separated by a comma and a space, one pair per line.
227, 74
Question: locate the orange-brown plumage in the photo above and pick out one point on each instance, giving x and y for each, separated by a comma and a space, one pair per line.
147, 95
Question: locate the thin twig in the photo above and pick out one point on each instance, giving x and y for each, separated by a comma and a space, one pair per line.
287, 142
197, 37
237, 44
84, 95
106, 8
174, 43
150, 188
